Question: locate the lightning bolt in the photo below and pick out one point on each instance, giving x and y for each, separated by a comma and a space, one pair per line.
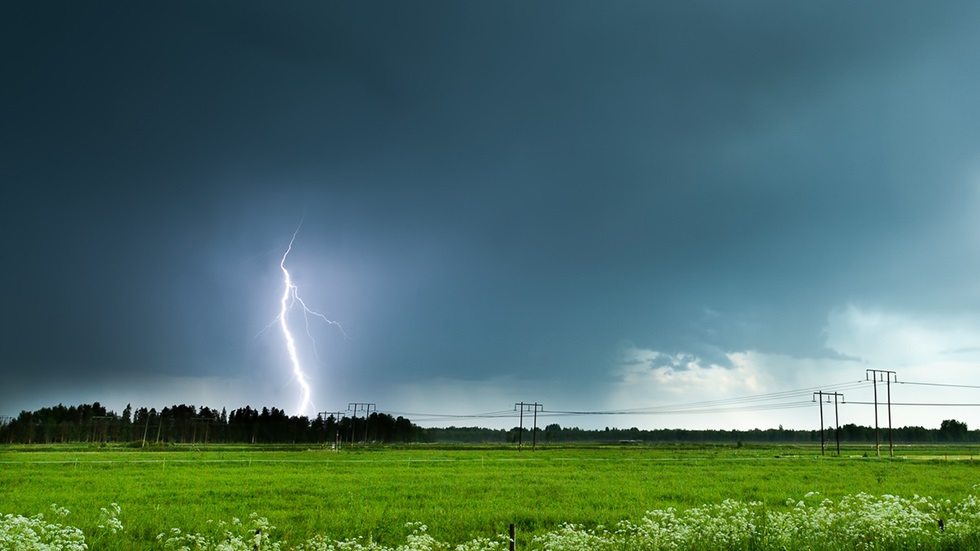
291, 298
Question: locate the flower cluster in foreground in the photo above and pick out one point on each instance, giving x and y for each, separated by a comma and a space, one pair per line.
37, 533
859, 521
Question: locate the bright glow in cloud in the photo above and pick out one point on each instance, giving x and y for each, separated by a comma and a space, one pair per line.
888, 338
941, 350
683, 374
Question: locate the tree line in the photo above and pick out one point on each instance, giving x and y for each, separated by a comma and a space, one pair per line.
188, 424
950, 430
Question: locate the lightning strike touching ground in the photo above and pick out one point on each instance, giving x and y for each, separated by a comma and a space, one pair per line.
290, 298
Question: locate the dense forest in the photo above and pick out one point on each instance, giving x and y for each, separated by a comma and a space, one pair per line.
187, 424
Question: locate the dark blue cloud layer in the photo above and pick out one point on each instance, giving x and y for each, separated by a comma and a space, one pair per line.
507, 189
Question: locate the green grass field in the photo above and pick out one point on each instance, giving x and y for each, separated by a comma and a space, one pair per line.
458, 493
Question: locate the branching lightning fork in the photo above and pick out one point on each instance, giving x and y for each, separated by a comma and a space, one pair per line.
290, 298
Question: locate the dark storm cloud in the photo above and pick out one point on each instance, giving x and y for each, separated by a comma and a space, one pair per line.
502, 189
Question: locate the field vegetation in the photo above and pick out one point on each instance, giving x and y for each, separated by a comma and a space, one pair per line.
435, 497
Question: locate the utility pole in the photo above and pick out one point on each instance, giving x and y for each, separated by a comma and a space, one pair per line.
171, 417
885, 375
207, 428
837, 418
522, 407
367, 408
520, 427
336, 417
820, 394
105, 426
534, 432
146, 428
4, 421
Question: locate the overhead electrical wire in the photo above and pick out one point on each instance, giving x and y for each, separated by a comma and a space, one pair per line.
880, 404
760, 402
441, 417
710, 406
937, 384
787, 399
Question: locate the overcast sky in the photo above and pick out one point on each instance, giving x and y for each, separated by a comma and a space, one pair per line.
591, 205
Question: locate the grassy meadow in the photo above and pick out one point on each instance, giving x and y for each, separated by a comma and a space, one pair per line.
426, 496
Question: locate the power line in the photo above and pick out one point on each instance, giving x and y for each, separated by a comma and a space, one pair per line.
937, 384
705, 404
720, 409
759, 402
491, 414
772, 401
448, 417
918, 404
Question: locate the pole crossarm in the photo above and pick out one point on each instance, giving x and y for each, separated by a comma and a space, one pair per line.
337, 415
